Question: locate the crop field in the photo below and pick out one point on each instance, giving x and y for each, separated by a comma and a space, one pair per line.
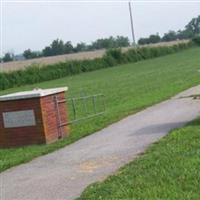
15, 65
127, 89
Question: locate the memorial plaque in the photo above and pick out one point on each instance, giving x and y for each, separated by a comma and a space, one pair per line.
19, 119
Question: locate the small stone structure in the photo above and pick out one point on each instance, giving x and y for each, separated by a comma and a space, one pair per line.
33, 117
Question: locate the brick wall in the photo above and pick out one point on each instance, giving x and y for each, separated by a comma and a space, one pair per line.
50, 117
46, 129
11, 137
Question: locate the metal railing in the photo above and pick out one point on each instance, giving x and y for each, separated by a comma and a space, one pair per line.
85, 107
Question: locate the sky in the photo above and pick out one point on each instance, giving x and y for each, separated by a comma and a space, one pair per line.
34, 24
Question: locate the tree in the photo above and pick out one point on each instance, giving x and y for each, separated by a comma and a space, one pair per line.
170, 36
28, 54
154, 39
103, 43
47, 51
185, 34
57, 47
150, 40
8, 57
111, 42
68, 47
193, 27
80, 47
122, 41
143, 41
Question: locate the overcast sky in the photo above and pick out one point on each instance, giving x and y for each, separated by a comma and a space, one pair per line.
35, 25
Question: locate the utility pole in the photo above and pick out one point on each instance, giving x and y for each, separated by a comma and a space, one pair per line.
131, 19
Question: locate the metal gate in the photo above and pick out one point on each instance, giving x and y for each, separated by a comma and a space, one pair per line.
79, 108
85, 107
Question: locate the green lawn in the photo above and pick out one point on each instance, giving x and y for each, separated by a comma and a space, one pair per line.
168, 170
128, 89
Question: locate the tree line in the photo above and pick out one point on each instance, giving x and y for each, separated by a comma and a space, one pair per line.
191, 29
59, 47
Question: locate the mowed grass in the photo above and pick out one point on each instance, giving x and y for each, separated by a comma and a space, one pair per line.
128, 89
168, 170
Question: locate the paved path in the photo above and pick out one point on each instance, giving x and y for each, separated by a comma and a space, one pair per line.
63, 175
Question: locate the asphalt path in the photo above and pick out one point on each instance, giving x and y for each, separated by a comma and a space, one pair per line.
64, 174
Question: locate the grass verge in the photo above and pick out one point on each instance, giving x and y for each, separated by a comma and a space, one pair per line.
128, 89
169, 169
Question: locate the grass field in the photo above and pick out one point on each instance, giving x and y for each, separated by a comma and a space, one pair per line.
128, 89
168, 170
